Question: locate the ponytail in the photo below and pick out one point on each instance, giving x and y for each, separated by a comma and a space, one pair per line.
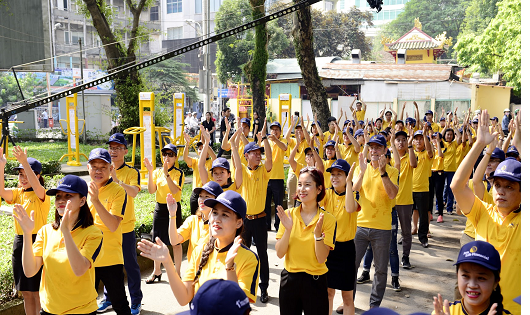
208, 249
496, 295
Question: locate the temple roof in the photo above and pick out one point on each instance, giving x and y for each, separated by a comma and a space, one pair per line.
416, 39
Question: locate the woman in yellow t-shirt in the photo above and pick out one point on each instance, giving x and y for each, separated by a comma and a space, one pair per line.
32, 196
222, 257
65, 250
196, 227
450, 159
306, 235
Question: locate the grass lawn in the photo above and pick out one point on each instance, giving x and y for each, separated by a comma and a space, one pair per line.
52, 151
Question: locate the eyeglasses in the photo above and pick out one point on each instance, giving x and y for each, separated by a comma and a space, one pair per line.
168, 154
116, 148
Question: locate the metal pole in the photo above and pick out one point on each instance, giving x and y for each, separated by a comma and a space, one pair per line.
83, 91
205, 33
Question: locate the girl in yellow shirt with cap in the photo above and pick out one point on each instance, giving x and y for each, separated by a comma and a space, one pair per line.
32, 196
222, 257
66, 250
306, 235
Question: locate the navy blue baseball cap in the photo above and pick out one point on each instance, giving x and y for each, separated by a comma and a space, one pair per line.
482, 253
276, 124
498, 154
230, 199
171, 147
361, 122
380, 311
118, 138
211, 187
509, 169
331, 118
70, 184
349, 129
309, 148
99, 153
358, 132
494, 118
388, 154
220, 297
512, 151
318, 122
330, 143
475, 121
410, 120
429, 124
251, 146
378, 139
35, 165
220, 162
245, 121
347, 121
384, 132
401, 133
429, 112
442, 118
339, 164
418, 133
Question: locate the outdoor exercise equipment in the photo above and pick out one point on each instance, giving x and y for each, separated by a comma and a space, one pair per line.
72, 132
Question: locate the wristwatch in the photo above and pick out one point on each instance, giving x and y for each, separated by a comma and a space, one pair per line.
231, 268
319, 238
384, 175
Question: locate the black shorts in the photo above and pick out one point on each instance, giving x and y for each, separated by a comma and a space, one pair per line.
161, 222
341, 266
23, 283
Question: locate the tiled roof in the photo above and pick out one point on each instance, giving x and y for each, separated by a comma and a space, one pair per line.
387, 72
413, 45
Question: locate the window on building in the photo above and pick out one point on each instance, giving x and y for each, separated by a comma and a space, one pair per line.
341, 5
215, 5
76, 36
174, 6
392, 14
66, 37
198, 6
154, 13
386, 15
175, 32
65, 5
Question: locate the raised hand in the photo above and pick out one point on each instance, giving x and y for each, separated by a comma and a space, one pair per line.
318, 227
484, 136
148, 165
411, 134
349, 178
363, 163
93, 191
165, 167
206, 135
285, 218
67, 222
156, 252
3, 159
392, 135
26, 222
439, 306
382, 164
232, 252
171, 205
20, 154
187, 138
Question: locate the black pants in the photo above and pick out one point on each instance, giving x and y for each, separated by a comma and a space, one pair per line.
112, 277
43, 312
257, 229
301, 291
194, 203
276, 191
421, 203
439, 181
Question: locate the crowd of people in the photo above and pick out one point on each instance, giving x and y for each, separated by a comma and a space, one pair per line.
348, 188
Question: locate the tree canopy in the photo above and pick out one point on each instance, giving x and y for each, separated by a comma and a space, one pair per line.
498, 47
29, 83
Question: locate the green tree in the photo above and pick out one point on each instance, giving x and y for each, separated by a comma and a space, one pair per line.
169, 77
29, 84
479, 13
498, 48
436, 17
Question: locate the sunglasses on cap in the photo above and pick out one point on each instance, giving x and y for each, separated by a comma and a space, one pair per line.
168, 154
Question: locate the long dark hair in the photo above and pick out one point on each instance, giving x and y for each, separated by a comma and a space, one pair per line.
496, 295
317, 177
84, 218
208, 249
206, 116
445, 133
41, 180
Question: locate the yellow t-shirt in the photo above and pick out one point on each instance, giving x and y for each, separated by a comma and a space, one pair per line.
387, 124
195, 230
457, 308
348, 153
404, 196
360, 114
327, 175
61, 291
437, 161
335, 204
195, 167
114, 199
505, 236
300, 155
277, 161
376, 206
232, 187
254, 188
449, 151
162, 189
301, 256
329, 136
435, 127
29, 200
130, 176
461, 151
488, 198
247, 268
422, 172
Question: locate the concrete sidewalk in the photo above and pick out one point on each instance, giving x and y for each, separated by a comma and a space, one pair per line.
433, 273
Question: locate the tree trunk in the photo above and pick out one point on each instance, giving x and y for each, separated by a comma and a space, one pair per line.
129, 85
256, 69
303, 43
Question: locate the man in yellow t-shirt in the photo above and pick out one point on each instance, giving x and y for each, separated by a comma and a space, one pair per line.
254, 190
275, 188
420, 183
107, 202
128, 178
376, 183
360, 110
498, 224
429, 116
